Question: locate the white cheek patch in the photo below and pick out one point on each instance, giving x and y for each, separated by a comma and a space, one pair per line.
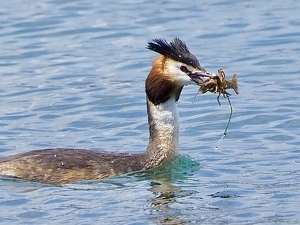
172, 69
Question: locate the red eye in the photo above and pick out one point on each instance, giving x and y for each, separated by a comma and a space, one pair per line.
184, 69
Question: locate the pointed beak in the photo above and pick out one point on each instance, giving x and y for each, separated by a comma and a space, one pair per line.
200, 76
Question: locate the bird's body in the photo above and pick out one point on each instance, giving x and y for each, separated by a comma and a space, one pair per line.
61, 165
174, 68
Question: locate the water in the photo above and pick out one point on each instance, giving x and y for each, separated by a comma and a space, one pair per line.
72, 75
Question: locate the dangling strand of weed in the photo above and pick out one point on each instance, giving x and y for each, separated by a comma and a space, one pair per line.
195, 96
229, 119
230, 106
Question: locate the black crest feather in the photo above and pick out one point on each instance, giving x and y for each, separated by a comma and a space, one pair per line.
176, 50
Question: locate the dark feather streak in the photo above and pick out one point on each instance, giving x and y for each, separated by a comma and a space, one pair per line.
176, 50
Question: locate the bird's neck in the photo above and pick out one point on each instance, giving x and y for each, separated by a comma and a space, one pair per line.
164, 129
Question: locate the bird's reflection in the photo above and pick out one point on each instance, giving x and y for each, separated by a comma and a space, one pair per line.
166, 193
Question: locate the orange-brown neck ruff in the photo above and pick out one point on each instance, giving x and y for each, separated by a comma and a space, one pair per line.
159, 85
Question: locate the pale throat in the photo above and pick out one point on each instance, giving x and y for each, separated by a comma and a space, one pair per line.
164, 129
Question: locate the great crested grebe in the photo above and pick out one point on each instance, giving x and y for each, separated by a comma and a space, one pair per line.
174, 68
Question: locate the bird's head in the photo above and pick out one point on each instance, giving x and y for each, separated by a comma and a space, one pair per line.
174, 68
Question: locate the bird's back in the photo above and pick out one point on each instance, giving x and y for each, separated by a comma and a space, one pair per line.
59, 166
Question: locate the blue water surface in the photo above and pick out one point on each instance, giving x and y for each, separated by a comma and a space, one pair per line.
72, 75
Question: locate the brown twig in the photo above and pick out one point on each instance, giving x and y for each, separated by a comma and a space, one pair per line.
219, 84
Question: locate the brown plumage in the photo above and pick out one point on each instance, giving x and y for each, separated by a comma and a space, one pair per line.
161, 88
60, 166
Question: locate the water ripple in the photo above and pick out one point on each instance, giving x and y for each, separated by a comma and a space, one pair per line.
73, 75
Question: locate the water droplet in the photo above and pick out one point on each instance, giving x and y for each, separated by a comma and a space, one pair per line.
216, 148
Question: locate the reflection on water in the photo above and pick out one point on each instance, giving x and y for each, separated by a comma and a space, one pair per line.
166, 194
